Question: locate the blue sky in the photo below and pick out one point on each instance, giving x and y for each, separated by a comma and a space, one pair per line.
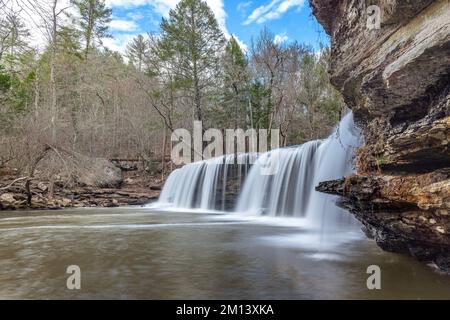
289, 20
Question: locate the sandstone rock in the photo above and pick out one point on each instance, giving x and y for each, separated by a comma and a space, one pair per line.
374, 68
99, 173
42, 186
396, 79
65, 202
7, 198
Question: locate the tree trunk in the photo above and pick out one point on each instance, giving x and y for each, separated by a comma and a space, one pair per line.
52, 72
89, 30
37, 91
197, 96
163, 152
31, 174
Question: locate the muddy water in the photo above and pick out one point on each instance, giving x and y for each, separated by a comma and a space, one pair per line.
137, 253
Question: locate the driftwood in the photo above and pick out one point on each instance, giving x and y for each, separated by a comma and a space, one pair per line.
32, 170
13, 183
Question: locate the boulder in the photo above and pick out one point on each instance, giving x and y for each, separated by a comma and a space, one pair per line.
101, 173
42, 186
7, 198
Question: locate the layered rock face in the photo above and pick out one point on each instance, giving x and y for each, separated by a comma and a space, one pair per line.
396, 79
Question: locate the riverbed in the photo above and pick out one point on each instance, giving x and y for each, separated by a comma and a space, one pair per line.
142, 253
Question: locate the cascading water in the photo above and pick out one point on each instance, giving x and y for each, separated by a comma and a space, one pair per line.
208, 184
287, 191
290, 190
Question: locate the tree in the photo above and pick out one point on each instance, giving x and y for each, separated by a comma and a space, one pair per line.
268, 58
14, 51
68, 41
260, 106
192, 42
137, 50
94, 19
54, 16
320, 102
13, 40
236, 79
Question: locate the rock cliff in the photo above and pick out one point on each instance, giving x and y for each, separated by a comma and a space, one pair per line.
395, 77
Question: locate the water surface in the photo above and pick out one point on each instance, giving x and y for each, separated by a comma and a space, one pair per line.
139, 253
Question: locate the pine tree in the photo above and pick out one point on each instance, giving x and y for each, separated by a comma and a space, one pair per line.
235, 100
68, 41
14, 57
94, 19
192, 41
13, 34
137, 50
260, 105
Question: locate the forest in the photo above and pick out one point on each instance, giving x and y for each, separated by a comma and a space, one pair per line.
75, 96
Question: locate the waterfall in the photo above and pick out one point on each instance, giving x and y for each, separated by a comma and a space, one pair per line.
287, 191
290, 190
208, 185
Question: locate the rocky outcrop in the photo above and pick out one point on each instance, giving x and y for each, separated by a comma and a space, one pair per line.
137, 188
396, 80
403, 213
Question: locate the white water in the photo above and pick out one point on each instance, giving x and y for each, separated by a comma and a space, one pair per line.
291, 190
205, 184
287, 192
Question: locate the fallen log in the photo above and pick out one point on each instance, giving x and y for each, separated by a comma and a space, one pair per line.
13, 183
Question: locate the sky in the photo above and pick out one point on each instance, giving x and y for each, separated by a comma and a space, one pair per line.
289, 20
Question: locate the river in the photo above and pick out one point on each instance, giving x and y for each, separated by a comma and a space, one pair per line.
140, 253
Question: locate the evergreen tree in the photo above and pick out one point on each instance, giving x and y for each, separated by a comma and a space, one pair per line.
192, 41
68, 41
236, 79
13, 35
14, 74
137, 50
94, 19
260, 106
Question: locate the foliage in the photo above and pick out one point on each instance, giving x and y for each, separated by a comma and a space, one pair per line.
94, 19
189, 45
137, 50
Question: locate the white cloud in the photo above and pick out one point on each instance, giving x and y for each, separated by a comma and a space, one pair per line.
128, 3
280, 38
273, 10
37, 18
260, 11
242, 6
130, 28
119, 42
135, 16
163, 7
241, 43
123, 25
